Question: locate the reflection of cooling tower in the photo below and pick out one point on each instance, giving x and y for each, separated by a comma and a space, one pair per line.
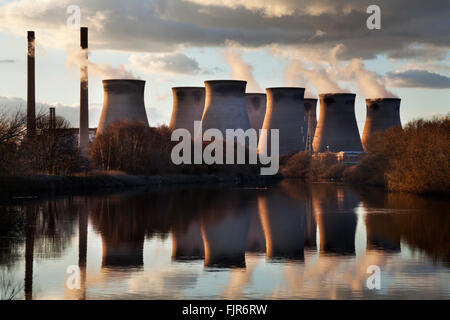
224, 241
256, 241
285, 111
256, 109
311, 116
188, 104
188, 245
123, 100
283, 222
337, 129
379, 233
225, 106
381, 115
337, 232
123, 253
334, 212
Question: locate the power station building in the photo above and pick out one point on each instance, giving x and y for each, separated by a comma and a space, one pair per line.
123, 100
285, 112
382, 114
337, 129
188, 105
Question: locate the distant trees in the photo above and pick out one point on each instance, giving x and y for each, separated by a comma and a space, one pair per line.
52, 150
415, 159
132, 148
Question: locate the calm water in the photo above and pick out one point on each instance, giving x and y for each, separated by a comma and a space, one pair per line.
288, 241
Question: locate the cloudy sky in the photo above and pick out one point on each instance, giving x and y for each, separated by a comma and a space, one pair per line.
323, 45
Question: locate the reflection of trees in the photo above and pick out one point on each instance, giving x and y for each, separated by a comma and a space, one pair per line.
11, 235
423, 223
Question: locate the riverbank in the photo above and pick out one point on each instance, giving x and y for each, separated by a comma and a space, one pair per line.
36, 185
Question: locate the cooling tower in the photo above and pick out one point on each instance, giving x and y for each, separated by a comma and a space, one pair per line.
83, 137
123, 100
225, 106
285, 111
382, 114
256, 109
311, 118
337, 129
31, 85
188, 104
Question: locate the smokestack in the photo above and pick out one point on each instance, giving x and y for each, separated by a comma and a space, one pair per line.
52, 119
311, 116
285, 111
83, 138
188, 104
337, 129
225, 106
382, 114
256, 109
123, 100
31, 91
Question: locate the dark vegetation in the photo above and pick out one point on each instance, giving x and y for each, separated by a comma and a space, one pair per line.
415, 159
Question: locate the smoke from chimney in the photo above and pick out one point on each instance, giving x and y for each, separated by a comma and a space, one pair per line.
241, 70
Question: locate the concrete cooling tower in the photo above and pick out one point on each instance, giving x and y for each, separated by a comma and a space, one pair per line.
123, 100
285, 111
256, 109
337, 129
225, 106
311, 118
188, 104
382, 114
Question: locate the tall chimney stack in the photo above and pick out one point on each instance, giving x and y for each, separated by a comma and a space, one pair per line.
52, 119
83, 138
31, 92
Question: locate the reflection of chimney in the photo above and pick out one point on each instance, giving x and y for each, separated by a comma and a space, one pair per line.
225, 106
188, 104
83, 139
31, 93
381, 115
285, 112
311, 116
337, 129
123, 101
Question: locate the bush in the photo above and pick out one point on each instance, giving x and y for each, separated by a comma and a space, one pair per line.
416, 159
297, 166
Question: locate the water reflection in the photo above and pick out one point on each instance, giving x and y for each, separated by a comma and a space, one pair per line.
159, 243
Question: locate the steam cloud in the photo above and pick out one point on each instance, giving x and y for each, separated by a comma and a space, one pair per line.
78, 59
241, 70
